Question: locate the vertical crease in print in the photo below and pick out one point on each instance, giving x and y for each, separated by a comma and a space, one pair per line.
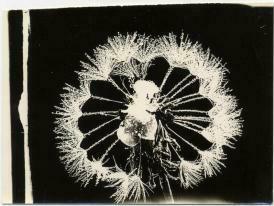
23, 108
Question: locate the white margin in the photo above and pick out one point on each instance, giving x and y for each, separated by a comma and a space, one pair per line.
5, 126
40, 4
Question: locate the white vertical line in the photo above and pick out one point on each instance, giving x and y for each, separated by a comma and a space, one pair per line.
6, 162
23, 107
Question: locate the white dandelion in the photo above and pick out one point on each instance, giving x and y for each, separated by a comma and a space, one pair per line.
148, 112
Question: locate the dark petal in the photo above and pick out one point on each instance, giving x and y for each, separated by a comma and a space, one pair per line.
96, 105
185, 151
119, 155
191, 136
190, 86
203, 104
98, 151
99, 134
157, 70
107, 90
176, 75
87, 123
195, 114
124, 83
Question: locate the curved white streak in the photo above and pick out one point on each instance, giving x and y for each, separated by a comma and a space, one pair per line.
23, 108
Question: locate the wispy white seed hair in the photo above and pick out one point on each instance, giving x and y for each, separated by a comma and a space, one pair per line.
128, 186
120, 181
122, 47
211, 161
190, 173
180, 55
97, 68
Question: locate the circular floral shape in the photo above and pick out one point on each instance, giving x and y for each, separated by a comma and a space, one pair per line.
147, 112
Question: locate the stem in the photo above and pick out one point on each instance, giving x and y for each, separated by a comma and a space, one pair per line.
124, 86
161, 127
176, 101
175, 150
103, 113
106, 99
182, 88
110, 147
193, 118
140, 156
170, 191
188, 100
186, 126
117, 87
190, 123
175, 87
166, 77
189, 110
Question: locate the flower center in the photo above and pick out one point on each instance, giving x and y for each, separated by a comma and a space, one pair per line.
140, 121
144, 102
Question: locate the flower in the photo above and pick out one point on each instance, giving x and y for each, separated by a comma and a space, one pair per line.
147, 109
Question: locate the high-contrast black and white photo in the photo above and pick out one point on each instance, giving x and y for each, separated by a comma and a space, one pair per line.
142, 104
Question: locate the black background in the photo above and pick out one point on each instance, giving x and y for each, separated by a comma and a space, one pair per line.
240, 35
16, 88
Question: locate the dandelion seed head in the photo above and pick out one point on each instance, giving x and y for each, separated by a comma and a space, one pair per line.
144, 125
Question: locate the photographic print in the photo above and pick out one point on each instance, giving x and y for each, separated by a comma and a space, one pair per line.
168, 104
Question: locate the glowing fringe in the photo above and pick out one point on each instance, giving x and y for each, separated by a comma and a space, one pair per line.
211, 161
127, 186
190, 173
